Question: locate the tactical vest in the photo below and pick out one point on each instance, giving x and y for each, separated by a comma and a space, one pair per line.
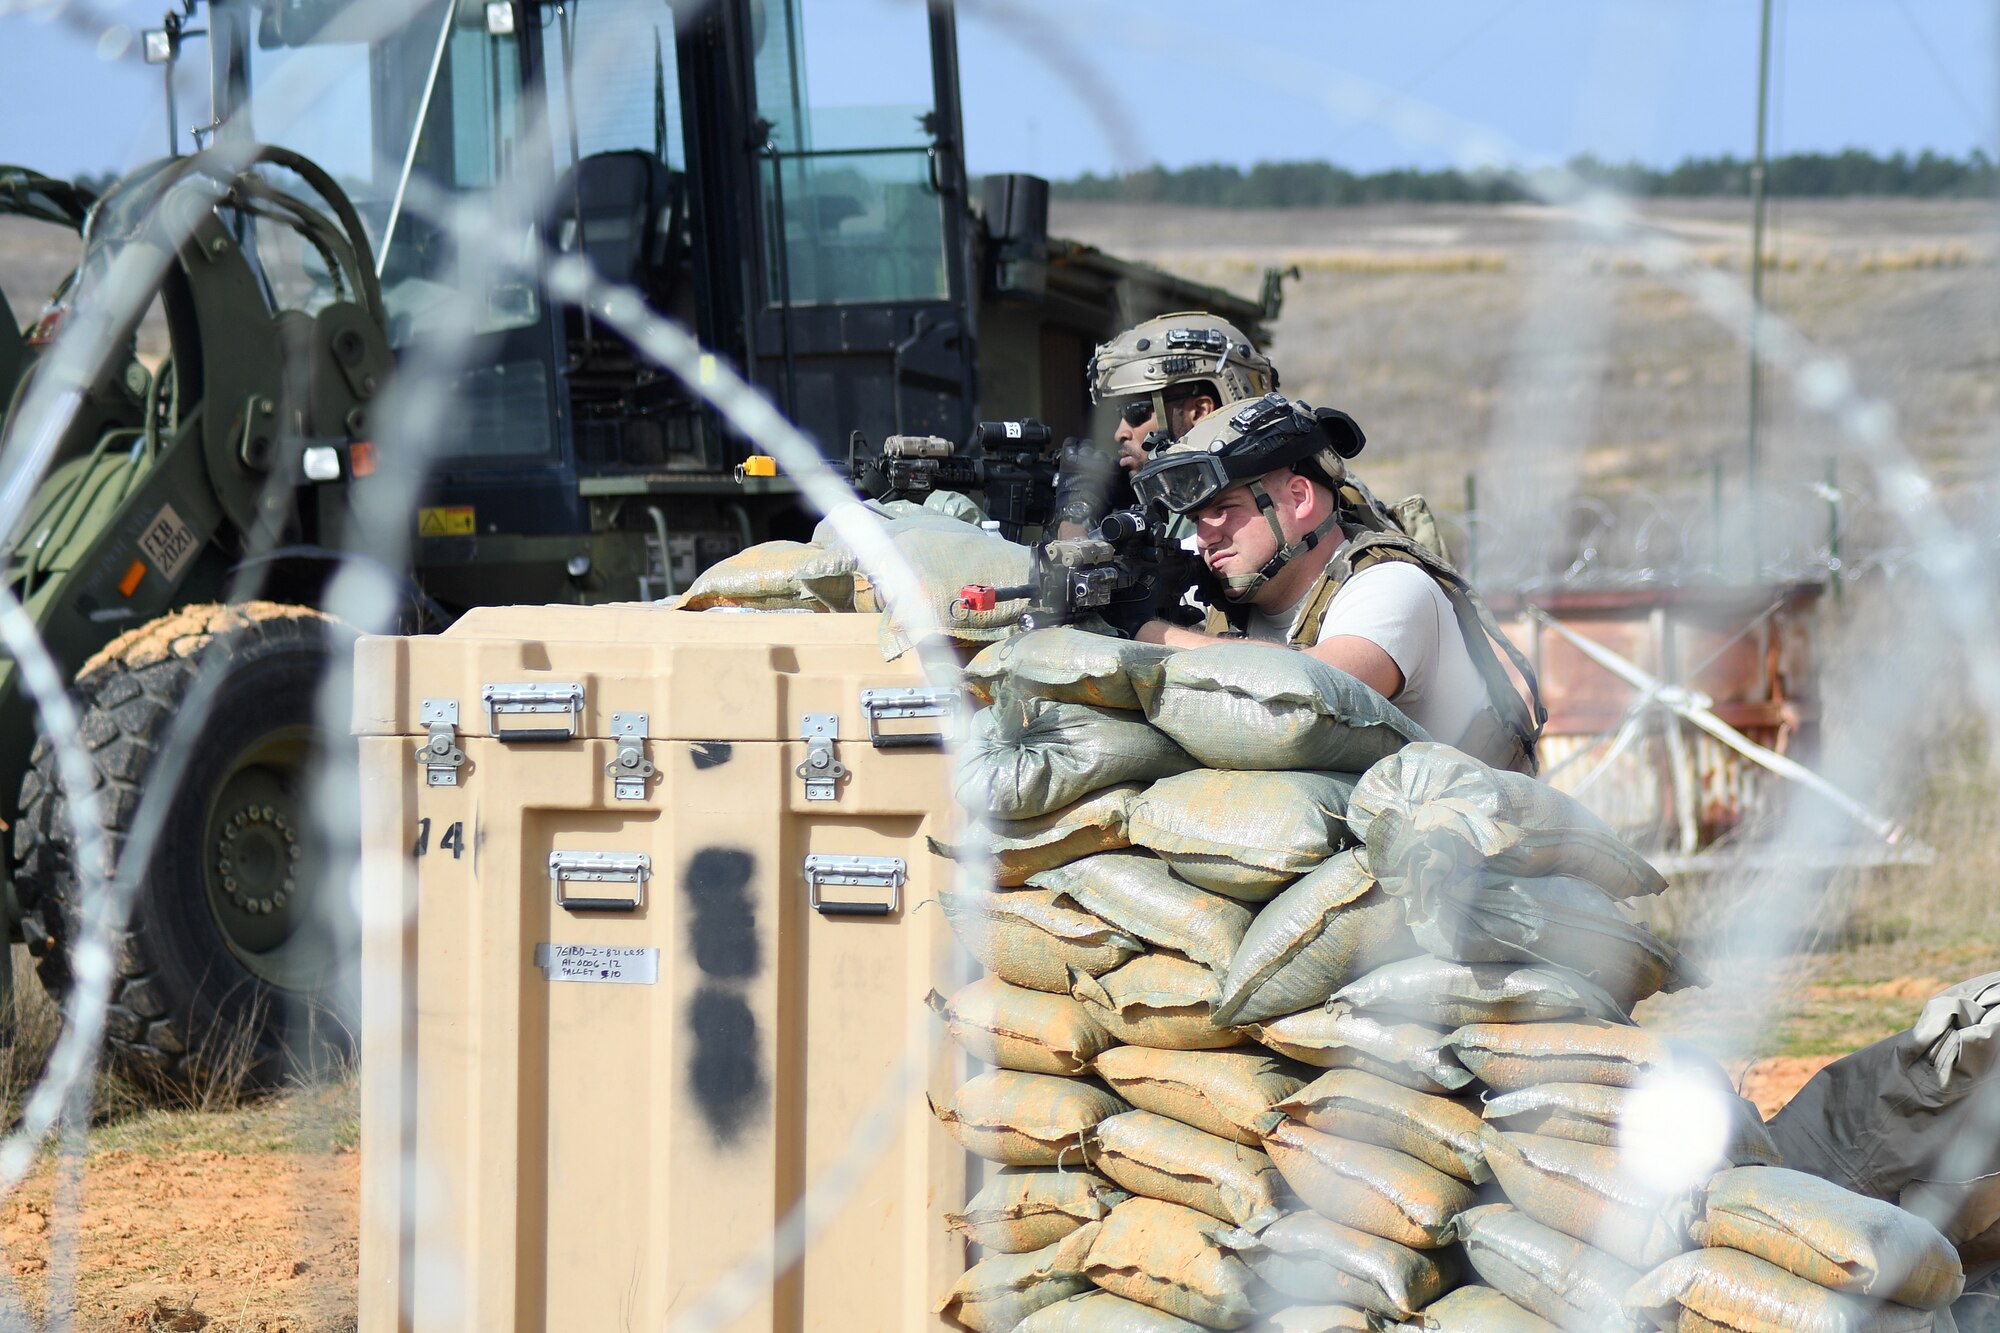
1506, 731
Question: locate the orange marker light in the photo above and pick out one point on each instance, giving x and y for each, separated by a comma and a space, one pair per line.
360, 458
130, 583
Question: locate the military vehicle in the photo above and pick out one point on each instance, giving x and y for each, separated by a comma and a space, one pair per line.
200, 501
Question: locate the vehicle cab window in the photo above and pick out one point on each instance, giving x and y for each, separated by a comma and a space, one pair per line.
851, 211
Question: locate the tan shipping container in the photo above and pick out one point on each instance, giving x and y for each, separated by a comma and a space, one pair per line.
615, 1023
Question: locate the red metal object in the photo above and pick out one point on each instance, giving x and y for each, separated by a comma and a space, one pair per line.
1748, 648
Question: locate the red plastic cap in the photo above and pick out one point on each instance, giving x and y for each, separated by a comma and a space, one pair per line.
978, 597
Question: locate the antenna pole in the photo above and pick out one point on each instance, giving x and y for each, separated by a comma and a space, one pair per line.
1752, 464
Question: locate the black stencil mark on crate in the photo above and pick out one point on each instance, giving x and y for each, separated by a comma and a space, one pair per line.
728, 1072
722, 924
711, 754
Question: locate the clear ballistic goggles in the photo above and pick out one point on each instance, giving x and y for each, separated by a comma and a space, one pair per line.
1181, 483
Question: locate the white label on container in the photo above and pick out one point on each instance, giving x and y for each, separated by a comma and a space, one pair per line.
611, 963
1013, 430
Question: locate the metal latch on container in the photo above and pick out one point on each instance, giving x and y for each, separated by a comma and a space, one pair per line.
633, 868
630, 770
440, 754
863, 872
914, 701
821, 769
534, 700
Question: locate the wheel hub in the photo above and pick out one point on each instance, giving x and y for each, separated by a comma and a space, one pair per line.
258, 862
257, 859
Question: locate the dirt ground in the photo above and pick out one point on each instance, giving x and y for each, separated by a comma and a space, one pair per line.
263, 1242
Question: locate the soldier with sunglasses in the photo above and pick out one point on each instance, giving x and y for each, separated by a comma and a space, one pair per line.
1165, 374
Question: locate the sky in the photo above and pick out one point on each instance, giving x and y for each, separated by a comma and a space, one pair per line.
1059, 87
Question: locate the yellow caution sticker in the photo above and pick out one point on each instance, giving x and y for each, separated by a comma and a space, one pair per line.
453, 521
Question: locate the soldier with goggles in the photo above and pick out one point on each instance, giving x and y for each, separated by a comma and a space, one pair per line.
1301, 555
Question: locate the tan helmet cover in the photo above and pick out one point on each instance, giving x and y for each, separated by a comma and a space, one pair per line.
1188, 347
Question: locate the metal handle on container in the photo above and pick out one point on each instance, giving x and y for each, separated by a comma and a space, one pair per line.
867, 872
911, 701
634, 868
534, 699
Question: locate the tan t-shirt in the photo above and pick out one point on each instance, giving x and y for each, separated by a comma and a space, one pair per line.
1400, 609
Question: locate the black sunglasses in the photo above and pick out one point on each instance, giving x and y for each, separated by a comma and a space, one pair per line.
1137, 412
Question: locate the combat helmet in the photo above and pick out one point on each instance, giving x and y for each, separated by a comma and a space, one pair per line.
1189, 348
1238, 448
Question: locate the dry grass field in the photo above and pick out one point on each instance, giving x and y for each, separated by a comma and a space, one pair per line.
1518, 344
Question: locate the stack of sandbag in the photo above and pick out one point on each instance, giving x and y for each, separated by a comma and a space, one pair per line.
941, 541
1518, 1004
1391, 1143
1364, 1003
1035, 1115
1782, 1249
1145, 811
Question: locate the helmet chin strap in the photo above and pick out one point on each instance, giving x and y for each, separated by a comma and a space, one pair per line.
1243, 587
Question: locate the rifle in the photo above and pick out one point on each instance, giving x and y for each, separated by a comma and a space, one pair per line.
1013, 464
1118, 570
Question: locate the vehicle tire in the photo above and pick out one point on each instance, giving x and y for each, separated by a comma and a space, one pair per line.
231, 964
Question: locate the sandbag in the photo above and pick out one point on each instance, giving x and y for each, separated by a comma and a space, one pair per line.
996, 1294
1028, 1119
776, 576
936, 509
1026, 757
1449, 994
1026, 938
1244, 834
1340, 1037
1070, 665
1572, 1285
1507, 1057
1316, 1319
1311, 1258
1477, 1310
1227, 1093
1744, 1294
1102, 1312
1158, 999
1027, 1207
1018, 1028
1254, 706
1328, 928
1138, 894
1371, 1189
1159, 1158
1830, 1236
1591, 1113
1353, 1104
1174, 1259
1023, 848
1431, 815
1581, 1191
945, 555
1557, 920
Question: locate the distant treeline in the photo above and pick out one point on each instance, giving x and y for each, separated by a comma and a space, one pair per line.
1322, 185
